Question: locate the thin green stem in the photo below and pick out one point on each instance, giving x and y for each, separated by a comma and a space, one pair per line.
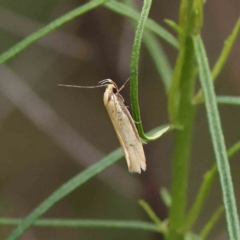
134, 67
134, 73
181, 111
183, 141
49, 28
86, 223
218, 140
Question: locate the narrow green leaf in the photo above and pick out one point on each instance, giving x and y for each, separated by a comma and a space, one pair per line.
134, 73
49, 28
67, 188
221, 59
173, 25
218, 140
134, 67
153, 216
228, 100
166, 197
86, 223
226, 50
208, 227
64, 190
234, 149
151, 25
134, 76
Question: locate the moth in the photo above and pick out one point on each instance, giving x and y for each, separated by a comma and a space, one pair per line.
123, 124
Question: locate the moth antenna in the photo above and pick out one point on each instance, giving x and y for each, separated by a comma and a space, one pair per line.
75, 86
123, 85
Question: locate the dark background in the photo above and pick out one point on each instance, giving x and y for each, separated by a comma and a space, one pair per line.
49, 134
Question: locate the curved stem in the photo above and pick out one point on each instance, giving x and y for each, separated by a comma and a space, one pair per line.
134, 74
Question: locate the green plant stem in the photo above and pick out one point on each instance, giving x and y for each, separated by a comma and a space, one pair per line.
183, 139
134, 74
86, 223
218, 140
49, 28
181, 111
134, 67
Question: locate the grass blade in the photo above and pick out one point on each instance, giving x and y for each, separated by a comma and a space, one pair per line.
49, 28
218, 140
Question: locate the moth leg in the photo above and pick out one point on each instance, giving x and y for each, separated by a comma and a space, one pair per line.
123, 85
137, 122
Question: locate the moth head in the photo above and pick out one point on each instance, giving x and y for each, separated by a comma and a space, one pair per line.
110, 84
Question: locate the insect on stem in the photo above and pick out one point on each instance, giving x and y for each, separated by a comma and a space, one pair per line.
123, 123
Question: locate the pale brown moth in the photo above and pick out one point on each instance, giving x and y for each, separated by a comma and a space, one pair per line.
124, 125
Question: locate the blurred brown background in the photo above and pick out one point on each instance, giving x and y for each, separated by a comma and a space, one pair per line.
49, 134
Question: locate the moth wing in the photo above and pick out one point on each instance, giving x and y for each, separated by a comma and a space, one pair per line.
127, 134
